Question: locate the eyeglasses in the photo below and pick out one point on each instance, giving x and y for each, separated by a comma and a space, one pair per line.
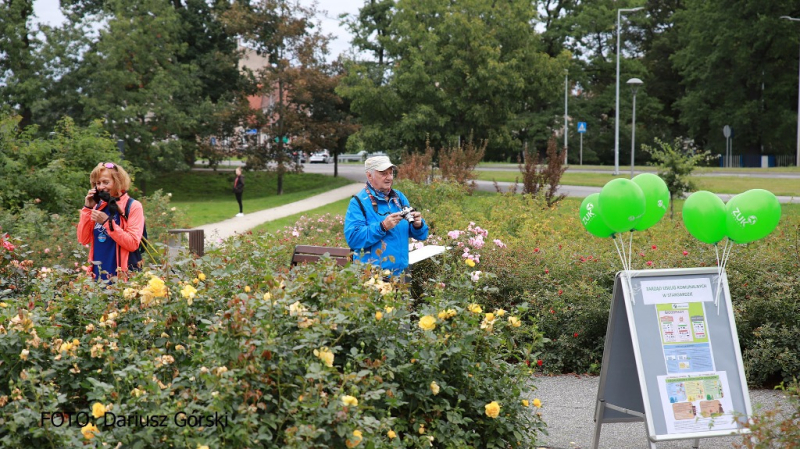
392, 171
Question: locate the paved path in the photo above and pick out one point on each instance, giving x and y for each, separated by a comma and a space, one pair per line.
568, 404
216, 232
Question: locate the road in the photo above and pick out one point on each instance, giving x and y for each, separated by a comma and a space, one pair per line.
355, 172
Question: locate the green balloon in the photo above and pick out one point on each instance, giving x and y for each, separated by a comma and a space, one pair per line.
591, 219
752, 215
704, 217
622, 204
656, 199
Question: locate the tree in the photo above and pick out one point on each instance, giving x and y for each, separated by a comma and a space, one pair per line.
738, 63
458, 68
19, 64
372, 27
301, 112
135, 82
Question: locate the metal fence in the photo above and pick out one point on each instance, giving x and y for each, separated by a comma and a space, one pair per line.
757, 160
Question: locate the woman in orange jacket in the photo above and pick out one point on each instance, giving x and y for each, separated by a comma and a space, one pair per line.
111, 235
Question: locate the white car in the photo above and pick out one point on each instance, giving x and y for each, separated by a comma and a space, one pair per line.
321, 157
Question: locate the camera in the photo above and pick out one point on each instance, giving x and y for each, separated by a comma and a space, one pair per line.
406, 213
102, 195
105, 196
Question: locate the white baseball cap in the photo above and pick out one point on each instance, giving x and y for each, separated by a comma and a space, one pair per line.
378, 163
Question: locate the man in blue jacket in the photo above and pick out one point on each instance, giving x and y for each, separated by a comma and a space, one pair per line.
374, 227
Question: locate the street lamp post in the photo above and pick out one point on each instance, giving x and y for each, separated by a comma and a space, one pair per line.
634, 83
566, 105
797, 156
616, 120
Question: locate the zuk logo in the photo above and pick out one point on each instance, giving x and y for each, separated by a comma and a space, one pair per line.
742, 220
589, 214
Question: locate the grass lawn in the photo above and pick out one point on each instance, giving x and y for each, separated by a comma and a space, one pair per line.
207, 197
336, 208
716, 184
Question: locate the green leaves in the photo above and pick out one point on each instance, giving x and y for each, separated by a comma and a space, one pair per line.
456, 69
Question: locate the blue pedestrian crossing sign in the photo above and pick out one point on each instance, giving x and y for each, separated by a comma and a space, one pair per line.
581, 127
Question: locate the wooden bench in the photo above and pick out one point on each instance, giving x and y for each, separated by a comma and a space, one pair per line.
308, 253
196, 239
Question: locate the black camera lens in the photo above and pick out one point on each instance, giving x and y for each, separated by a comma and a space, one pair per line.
102, 195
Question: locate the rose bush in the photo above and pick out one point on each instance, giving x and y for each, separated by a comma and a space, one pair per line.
235, 350
565, 275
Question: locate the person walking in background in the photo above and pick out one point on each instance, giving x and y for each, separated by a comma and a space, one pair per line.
379, 220
110, 234
238, 188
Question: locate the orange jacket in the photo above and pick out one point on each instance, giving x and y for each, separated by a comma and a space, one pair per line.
127, 235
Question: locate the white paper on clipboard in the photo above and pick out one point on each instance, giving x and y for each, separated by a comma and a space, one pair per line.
424, 253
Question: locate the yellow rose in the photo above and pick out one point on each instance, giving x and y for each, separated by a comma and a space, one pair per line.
195, 281
537, 403
474, 308
378, 315
89, 430
188, 292
157, 287
499, 312
357, 437
445, 314
391, 434
525, 403
297, 309
202, 447
349, 400
325, 355
201, 276
247, 289
267, 296
514, 321
434, 388
492, 409
389, 309
24, 354
470, 263
421, 429
98, 410
427, 323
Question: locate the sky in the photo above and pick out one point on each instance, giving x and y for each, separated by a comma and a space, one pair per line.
47, 11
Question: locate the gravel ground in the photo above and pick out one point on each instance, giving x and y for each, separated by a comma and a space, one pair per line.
568, 409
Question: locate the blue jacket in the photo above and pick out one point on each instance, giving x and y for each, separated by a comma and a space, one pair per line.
363, 232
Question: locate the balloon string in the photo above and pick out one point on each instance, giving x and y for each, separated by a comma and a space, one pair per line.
630, 250
621, 256
620, 252
726, 253
630, 260
620, 246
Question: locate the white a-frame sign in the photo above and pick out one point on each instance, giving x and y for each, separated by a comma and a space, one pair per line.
672, 357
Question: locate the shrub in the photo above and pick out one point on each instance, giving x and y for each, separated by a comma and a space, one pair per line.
416, 167
552, 264
775, 428
319, 356
536, 178
676, 162
52, 172
457, 163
